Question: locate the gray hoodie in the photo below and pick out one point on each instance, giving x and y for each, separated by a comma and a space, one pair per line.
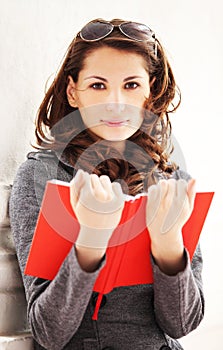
147, 316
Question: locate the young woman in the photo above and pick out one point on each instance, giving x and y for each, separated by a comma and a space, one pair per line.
104, 124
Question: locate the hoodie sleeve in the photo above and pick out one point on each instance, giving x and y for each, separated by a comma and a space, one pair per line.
64, 300
181, 309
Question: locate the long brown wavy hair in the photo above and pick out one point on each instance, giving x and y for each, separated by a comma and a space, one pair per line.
147, 150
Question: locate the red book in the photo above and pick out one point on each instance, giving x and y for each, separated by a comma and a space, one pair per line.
128, 254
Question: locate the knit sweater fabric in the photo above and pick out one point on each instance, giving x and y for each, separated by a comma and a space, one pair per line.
144, 316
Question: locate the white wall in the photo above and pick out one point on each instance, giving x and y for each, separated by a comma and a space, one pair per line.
34, 36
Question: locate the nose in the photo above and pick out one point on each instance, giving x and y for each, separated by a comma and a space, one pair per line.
115, 102
115, 107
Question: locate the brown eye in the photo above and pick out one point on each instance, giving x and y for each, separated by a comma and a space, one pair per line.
132, 85
97, 86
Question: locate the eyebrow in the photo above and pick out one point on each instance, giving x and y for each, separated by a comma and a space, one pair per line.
105, 80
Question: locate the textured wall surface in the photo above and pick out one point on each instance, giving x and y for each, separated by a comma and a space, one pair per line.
14, 331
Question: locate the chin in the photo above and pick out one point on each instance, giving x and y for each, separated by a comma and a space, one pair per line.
118, 136
114, 134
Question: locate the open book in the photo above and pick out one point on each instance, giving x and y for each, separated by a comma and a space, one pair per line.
128, 255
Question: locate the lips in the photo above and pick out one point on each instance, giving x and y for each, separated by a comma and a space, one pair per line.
115, 123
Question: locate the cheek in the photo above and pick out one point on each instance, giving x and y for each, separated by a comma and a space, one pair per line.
89, 98
89, 115
146, 93
140, 98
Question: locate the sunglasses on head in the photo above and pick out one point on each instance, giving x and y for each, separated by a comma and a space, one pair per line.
97, 30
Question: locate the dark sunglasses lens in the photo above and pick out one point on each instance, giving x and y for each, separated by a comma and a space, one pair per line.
137, 31
95, 31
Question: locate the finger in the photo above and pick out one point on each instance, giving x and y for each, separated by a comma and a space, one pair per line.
74, 195
153, 203
163, 185
177, 205
105, 180
87, 187
117, 189
153, 190
98, 189
78, 179
75, 186
94, 180
106, 184
118, 195
87, 197
181, 191
86, 184
191, 191
169, 193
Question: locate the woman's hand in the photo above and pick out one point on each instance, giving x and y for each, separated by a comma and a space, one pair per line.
169, 206
98, 205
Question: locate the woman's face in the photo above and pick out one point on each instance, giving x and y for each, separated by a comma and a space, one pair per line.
110, 93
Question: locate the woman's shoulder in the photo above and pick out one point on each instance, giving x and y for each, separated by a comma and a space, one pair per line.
31, 176
41, 154
35, 165
45, 164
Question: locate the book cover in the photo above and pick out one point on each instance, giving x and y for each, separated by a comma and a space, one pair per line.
128, 255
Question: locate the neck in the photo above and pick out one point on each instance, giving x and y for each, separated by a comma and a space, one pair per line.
118, 145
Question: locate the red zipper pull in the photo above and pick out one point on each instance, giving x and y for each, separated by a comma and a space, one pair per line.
97, 307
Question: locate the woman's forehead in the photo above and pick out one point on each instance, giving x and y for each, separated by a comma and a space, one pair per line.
108, 59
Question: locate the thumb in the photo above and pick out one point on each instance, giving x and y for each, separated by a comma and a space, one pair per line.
117, 189
191, 191
75, 187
